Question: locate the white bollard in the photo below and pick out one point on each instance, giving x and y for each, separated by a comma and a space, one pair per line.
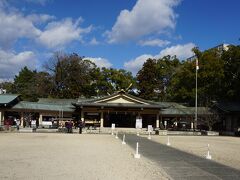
149, 135
123, 141
137, 155
116, 135
208, 154
168, 142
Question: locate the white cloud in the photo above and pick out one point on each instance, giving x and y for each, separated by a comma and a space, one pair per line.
154, 42
40, 18
13, 26
181, 51
135, 65
146, 17
94, 41
41, 2
60, 33
100, 62
11, 62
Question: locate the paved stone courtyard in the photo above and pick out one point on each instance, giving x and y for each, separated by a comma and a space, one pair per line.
99, 156
71, 156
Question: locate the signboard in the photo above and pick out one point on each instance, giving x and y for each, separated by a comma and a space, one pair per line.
150, 128
113, 126
33, 122
93, 114
138, 122
47, 123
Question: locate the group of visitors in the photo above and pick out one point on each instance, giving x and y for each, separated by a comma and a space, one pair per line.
69, 125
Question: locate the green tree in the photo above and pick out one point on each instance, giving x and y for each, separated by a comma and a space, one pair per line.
154, 77
8, 86
72, 75
182, 85
210, 78
44, 84
24, 84
111, 80
147, 80
231, 85
166, 68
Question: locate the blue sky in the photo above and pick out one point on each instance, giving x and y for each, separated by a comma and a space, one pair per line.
112, 33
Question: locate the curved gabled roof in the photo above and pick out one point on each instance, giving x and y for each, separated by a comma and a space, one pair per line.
120, 99
7, 100
119, 93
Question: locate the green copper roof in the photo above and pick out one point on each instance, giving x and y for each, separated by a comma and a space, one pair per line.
229, 107
186, 111
57, 101
7, 98
25, 105
171, 104
118, 105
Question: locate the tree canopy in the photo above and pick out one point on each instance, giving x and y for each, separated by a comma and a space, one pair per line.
163, 79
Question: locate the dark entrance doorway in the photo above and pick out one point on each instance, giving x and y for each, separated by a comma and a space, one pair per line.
120, 120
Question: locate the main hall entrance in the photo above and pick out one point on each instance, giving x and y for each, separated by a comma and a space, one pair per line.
120, 120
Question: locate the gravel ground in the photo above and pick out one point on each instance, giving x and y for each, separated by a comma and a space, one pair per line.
224, 150
71, 156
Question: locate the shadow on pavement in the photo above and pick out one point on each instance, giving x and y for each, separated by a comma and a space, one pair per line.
179, 164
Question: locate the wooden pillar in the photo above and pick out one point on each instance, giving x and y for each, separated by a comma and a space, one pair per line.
157, 121
1, 118
101, 120
21, 119
40, 119
161, 123
82, 115
191, 125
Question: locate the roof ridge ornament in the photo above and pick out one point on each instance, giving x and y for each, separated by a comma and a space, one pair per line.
122, 91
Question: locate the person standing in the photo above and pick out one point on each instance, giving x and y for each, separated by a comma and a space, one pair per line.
18, 123
80, 126
70, 127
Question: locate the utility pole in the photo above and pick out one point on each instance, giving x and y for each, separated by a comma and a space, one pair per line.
196, 110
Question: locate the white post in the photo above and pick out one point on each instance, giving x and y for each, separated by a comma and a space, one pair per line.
165, 124
208, 154
123, 141
116, 135
137, 155
112, 128
157, 121
168, 142
149, 135
101, 120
